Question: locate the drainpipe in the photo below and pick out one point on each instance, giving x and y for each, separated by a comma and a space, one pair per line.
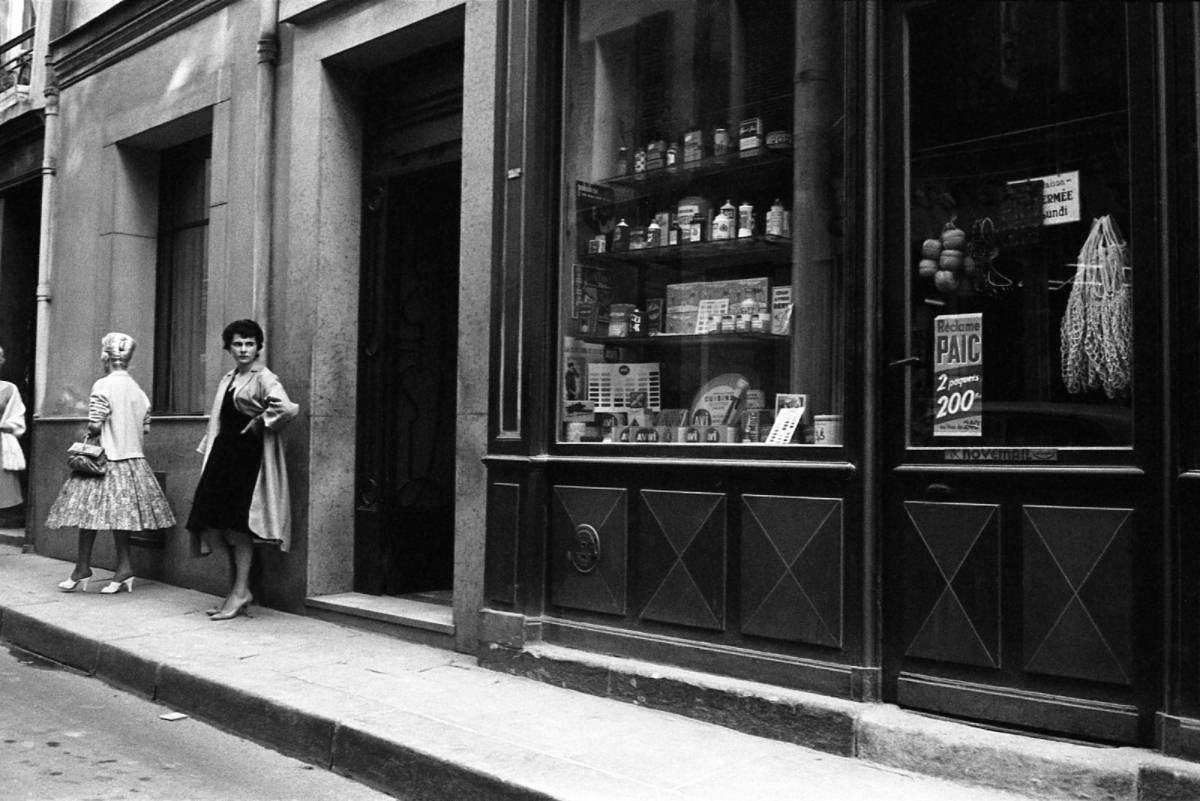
268, 51
46, 239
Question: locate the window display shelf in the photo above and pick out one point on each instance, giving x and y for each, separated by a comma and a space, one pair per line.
684, 340
705, 255
685, 173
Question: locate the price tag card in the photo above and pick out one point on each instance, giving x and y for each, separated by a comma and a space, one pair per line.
958, 375
708, 319
785, 425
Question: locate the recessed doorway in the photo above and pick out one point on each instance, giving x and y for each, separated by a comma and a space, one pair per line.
408, 337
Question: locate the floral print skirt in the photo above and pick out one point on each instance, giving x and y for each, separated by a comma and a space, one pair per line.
127, 498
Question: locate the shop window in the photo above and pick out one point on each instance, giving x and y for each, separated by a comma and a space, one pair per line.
1022, 252
702, 274
181, 278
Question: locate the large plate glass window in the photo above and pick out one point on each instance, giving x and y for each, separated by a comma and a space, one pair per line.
702, 274
1022, 254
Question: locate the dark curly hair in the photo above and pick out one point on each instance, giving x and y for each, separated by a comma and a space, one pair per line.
242, 328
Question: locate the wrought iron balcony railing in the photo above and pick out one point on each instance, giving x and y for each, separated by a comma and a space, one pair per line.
16, 62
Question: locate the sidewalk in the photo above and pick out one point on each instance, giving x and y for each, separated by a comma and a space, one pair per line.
423, 723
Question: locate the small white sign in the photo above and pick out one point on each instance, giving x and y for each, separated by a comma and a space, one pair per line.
1060, 197
785, 426
708, 318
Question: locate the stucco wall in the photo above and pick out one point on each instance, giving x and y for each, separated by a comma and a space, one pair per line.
200, 79
205, 75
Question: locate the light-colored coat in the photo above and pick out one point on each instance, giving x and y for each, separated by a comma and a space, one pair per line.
12, 459
262, 396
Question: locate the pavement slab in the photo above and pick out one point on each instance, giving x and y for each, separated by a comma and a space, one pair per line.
424, 723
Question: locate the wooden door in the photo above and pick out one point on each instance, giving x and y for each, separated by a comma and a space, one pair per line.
1020, 546
404, 535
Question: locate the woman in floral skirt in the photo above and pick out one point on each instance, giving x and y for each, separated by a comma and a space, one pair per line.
127, 497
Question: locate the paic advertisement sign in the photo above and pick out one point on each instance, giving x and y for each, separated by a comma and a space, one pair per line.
958, 375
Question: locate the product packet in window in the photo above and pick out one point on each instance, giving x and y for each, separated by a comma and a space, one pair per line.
672, 418
577, 355
639, 415
655, 319
781, 310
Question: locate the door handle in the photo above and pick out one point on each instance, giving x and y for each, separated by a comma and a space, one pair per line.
939, 490
907, 361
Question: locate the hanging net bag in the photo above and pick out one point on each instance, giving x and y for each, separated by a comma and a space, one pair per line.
1097, 323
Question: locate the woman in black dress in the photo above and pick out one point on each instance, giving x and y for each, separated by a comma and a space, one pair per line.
242, 498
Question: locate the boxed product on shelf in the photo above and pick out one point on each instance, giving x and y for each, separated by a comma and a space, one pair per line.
781, 310
685, 300
756, 424
683, 304
620, 320
655, 321
719, 401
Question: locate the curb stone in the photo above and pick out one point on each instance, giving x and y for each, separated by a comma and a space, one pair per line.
373, 760
880, 733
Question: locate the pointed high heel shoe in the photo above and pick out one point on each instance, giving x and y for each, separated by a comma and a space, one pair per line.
115, 586
241, 609
70, 585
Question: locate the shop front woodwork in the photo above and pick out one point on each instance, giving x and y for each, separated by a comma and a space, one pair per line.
852, 377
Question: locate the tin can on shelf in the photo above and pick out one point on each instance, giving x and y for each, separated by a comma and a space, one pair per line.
720, 141
622, 165
637, 238
778, 222
724, 225
654, 234
827, 429
745, 225
693, 146
779, 140
621, 237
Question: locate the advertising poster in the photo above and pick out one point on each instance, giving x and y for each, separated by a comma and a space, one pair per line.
958, 375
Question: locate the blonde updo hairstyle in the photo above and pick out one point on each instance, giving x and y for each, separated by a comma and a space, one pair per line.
116, 349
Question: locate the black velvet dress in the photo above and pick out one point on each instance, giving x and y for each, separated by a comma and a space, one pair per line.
226, 487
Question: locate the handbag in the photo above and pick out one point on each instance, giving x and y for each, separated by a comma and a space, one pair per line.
87, 458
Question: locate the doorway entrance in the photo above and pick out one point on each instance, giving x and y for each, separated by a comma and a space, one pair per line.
407, 364
1020, 554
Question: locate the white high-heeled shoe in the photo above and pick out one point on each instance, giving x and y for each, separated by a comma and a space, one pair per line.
70, 584
115, 586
